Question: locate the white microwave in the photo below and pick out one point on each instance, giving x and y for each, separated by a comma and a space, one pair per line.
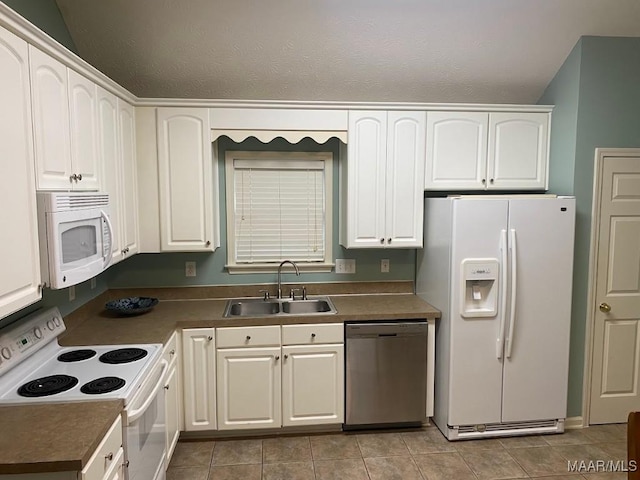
75, 236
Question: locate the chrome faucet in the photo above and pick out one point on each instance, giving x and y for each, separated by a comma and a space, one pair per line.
279, 273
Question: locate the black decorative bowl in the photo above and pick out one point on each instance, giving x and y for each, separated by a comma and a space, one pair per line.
131, 305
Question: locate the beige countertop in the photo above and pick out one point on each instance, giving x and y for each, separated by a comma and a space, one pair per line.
53, 437
62, 437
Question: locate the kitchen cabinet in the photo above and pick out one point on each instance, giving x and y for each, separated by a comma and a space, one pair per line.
107, 462
64, 123
312, 374
249, 377
185, 174
382, 186
266, 382
173, 398
19, 253
128, 177
487, 151
199, 379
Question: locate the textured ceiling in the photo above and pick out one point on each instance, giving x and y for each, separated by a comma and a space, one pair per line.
476, 51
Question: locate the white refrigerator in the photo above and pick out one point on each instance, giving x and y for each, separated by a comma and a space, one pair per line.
500, 269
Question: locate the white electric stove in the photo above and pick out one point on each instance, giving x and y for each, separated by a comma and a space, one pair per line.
34, 368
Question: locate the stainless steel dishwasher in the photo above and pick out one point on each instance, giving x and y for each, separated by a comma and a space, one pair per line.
385, 373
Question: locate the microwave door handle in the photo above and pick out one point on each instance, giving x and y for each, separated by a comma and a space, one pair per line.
110, 228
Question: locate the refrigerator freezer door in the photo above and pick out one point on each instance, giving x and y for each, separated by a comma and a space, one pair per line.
535, 374
475, 379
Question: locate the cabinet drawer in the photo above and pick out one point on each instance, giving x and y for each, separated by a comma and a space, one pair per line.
248, 336
170, 351
312, 333
106, 453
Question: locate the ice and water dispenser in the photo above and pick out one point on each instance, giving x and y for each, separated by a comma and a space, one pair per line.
479, 287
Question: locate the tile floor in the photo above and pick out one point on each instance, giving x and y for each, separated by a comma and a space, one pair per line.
409, 455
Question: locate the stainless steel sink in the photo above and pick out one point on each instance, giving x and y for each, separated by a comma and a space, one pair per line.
257, 307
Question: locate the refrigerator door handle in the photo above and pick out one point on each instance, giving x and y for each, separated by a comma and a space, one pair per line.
503, 293
514, 290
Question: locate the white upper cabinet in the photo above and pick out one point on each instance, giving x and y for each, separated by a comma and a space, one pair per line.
84, 131
519, 149
20, 279
487, 151
382, 190
65, 126
128, 176
186, 182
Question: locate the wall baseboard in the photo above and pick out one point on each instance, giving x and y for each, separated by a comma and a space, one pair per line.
573, 423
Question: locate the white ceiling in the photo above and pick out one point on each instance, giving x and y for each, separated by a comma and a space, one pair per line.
476, 51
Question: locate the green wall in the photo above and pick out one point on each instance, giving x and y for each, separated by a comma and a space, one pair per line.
597, 98
45, 15
167, 269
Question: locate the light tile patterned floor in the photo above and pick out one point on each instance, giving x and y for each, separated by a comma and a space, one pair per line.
416, 455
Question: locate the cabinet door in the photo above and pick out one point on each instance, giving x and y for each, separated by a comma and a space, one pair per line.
84, 132
172, 410
129, 197
19, 255
518, 150
50, 121
185, 180
109, 157
312, 384
404, 179
199, 379
249, 388
366, 170
456, 151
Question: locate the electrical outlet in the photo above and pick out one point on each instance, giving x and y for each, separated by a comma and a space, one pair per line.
72, 293
384, 265
345, 265
93, 283
190, 269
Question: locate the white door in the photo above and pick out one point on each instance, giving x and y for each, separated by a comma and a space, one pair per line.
249, 388
404, 174
518, 150
50, 121
456, 151
615, 375
185, 179
19, 254
127, 137
84, 132
312, 384
199, 378
366, 190
109, 157
475, 383
536, 360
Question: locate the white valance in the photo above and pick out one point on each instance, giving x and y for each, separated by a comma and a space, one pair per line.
292, 136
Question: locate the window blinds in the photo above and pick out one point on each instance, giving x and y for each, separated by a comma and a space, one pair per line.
279, 210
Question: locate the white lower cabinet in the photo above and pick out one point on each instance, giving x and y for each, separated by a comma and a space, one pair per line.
199, 379
173, 392
107, 462
270, 377
249, 388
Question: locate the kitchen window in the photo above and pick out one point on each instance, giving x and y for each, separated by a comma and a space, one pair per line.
278, 208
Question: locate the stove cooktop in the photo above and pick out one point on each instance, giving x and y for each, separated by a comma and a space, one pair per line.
34, 368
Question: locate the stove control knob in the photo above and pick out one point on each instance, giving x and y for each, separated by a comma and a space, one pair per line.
37, 332
6, 353
50, 325
56, 321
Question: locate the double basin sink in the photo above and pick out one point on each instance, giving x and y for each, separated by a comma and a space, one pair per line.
258, 307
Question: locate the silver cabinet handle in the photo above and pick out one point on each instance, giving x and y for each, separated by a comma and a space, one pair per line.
166, 387
286, 356
484, 180
248, 337
389, 241
277, 357
382, 240
209, 338
79, 176
491, 180
172, 352
109, 456
207, 243
313, 335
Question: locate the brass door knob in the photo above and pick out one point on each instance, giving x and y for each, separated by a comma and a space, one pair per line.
605, 307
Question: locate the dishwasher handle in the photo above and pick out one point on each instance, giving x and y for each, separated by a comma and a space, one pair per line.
385, 329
